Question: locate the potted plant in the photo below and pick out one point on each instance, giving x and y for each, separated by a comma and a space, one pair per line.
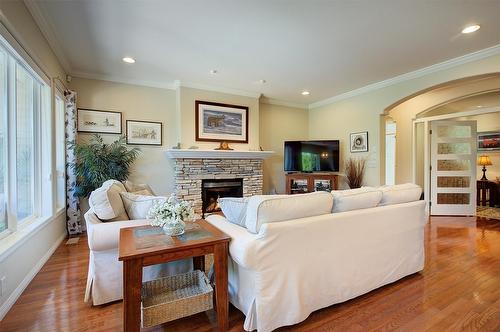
97, 162
171, 215
355, 172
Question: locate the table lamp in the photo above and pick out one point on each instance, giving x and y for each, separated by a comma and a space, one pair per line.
484, 161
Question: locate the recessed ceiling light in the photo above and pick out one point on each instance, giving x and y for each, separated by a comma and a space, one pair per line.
128, 59
214, 71
471, 28
305, 93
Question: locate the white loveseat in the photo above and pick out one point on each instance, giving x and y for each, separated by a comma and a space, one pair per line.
289, 268
105, 275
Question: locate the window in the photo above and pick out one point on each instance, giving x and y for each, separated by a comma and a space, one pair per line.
3, 142
60, 154
390, 152
25, 167
25, 143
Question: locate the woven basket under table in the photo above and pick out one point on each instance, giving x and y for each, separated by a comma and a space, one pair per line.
174, 297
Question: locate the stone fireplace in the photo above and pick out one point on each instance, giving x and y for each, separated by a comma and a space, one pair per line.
198, 173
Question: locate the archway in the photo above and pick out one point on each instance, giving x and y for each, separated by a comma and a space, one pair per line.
468, 97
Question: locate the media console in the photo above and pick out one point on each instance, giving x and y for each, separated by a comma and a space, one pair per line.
299, 183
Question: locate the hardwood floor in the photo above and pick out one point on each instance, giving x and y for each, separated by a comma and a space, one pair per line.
459, 290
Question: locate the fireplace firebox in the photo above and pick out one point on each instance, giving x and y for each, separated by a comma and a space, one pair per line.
213, 189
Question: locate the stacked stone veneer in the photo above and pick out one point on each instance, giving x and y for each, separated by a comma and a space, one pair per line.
189, 174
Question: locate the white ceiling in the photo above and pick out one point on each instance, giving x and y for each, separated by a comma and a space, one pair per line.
326, 47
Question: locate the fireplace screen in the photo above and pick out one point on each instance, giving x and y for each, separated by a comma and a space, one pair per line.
212, 189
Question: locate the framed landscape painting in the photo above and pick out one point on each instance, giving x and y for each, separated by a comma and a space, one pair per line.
488, 141
359, 142
102, 122
144, 132
217, 122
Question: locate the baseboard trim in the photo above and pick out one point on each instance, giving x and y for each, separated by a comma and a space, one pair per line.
4, 309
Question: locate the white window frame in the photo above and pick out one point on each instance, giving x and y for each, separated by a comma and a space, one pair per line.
58, 95
42, 140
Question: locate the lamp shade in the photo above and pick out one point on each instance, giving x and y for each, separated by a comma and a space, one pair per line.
484, 160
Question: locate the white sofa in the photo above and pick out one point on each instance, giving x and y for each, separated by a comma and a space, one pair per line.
290, 268
105, 275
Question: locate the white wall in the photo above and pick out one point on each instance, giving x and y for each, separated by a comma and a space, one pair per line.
22, 263
136, 103
362, 113
277, 125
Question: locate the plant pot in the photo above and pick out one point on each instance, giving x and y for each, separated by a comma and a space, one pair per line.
174, 229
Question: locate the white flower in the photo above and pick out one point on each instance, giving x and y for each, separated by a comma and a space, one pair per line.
171, 211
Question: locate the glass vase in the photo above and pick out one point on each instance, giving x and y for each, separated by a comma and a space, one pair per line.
174, 228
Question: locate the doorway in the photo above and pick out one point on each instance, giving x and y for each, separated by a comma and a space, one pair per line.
453, 167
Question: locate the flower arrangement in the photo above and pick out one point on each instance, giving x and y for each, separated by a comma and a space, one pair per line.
171, 215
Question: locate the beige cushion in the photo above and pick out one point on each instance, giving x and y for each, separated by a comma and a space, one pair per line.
143, 192
107, 203
262, 209
355, 199
134, 187
400, 193
138, 206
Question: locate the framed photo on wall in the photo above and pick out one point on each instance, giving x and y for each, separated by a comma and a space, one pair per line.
144, 132
359, 142
215, 122
488, 141
101, 122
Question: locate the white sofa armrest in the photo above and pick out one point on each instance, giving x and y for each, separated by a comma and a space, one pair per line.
243, 243
106, 235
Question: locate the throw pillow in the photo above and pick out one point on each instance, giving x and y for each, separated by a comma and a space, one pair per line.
355, 199
234, 209
400, 193
143, 192
263, 209
107, 203
133, 187
138, 206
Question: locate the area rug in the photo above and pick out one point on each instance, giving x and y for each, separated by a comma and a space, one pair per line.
488, 212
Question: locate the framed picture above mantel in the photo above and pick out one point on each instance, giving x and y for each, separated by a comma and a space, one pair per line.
144, 132
216, 122
96, 121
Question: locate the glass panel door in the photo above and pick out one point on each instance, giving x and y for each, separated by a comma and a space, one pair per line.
453, 168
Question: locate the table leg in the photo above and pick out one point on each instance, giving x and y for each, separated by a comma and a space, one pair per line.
132, 284
221, 297
199, 263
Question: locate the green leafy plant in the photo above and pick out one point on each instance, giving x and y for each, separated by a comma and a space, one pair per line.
355, 172
97, 162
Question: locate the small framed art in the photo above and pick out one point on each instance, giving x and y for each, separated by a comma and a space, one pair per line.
359, 142
101, 122
144, 132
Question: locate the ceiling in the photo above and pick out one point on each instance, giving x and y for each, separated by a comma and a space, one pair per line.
325, 47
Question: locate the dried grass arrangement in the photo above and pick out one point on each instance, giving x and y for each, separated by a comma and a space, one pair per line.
355, 172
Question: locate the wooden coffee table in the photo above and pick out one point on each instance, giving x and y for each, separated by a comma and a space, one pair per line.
146, 245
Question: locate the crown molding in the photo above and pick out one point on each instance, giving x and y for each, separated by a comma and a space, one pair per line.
278, 102
474, 56
116, 79
219, 89
48, 32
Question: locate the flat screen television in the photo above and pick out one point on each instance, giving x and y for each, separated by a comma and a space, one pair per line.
311, 156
